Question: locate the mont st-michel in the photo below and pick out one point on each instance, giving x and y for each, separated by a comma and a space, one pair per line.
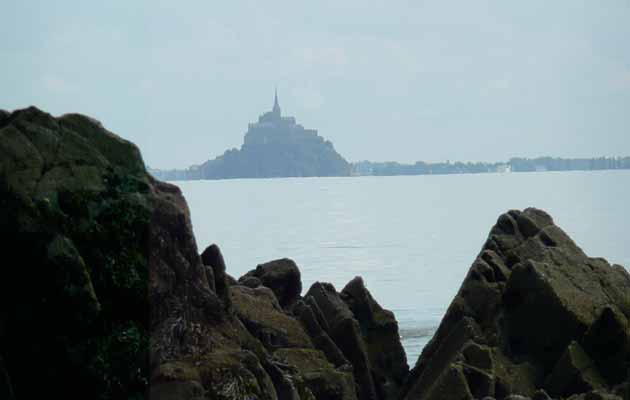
275, 146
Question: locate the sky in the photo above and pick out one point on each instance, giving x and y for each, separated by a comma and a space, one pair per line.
383, 80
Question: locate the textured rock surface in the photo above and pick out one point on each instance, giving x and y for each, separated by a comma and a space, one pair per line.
282, 276
380, 333
346, 333
534, 312
75, 211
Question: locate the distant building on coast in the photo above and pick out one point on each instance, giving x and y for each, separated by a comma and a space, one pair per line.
275, 146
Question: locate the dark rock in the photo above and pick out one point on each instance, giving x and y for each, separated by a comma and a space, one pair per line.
264, 319
310, 301
380, 334
574, 372
480, 383
537, 311
346, 333
4, 116
319, 379
210, 277
250, 281
231, 281
212, 257
176, 390
540, 394
285, 388
6, 391
76, 210
319, 336
607, 341
479, 357
282, 276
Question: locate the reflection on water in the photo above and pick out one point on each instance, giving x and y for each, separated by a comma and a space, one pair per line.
412, 238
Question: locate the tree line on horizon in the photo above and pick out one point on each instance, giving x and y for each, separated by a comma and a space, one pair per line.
393, 168
515, 164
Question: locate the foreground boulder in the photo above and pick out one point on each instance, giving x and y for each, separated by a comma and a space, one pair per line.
77, 211
534, 313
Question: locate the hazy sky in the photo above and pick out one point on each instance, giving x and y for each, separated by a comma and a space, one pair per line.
388, 80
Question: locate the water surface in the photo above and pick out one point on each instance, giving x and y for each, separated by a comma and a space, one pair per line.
412, 238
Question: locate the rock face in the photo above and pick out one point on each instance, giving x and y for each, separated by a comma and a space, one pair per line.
267, 342
76, 209
534, 312
281, 276
379, 330
355, 322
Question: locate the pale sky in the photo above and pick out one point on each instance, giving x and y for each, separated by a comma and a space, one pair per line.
383, 80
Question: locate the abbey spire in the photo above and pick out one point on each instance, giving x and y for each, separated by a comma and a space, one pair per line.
276, 106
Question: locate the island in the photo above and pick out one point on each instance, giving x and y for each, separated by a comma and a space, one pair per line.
275, 146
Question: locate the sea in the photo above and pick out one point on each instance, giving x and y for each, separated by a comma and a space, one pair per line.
411, 238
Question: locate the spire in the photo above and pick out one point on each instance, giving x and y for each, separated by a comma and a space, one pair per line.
276, 106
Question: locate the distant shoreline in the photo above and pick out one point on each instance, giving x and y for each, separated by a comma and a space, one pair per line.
368, 168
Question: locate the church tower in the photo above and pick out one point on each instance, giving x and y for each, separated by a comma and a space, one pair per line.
276, 106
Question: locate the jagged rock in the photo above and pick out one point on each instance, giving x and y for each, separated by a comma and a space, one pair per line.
608, 343
223, 374
535, 307
319, 336
574, 372
6, 391
346, 333
231, 281
596, 395
265, 320
210, 278
380, 333
76, 206
213, 258
4, 115
250, 281
283, 383
319, 376
317, 312
282, 276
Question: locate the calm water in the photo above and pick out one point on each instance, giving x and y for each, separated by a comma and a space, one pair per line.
412, 238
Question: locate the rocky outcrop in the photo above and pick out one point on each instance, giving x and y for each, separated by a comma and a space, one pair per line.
534, 313
103, 294
76, 207
110, 298
361, 330
379, 330
281, 276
